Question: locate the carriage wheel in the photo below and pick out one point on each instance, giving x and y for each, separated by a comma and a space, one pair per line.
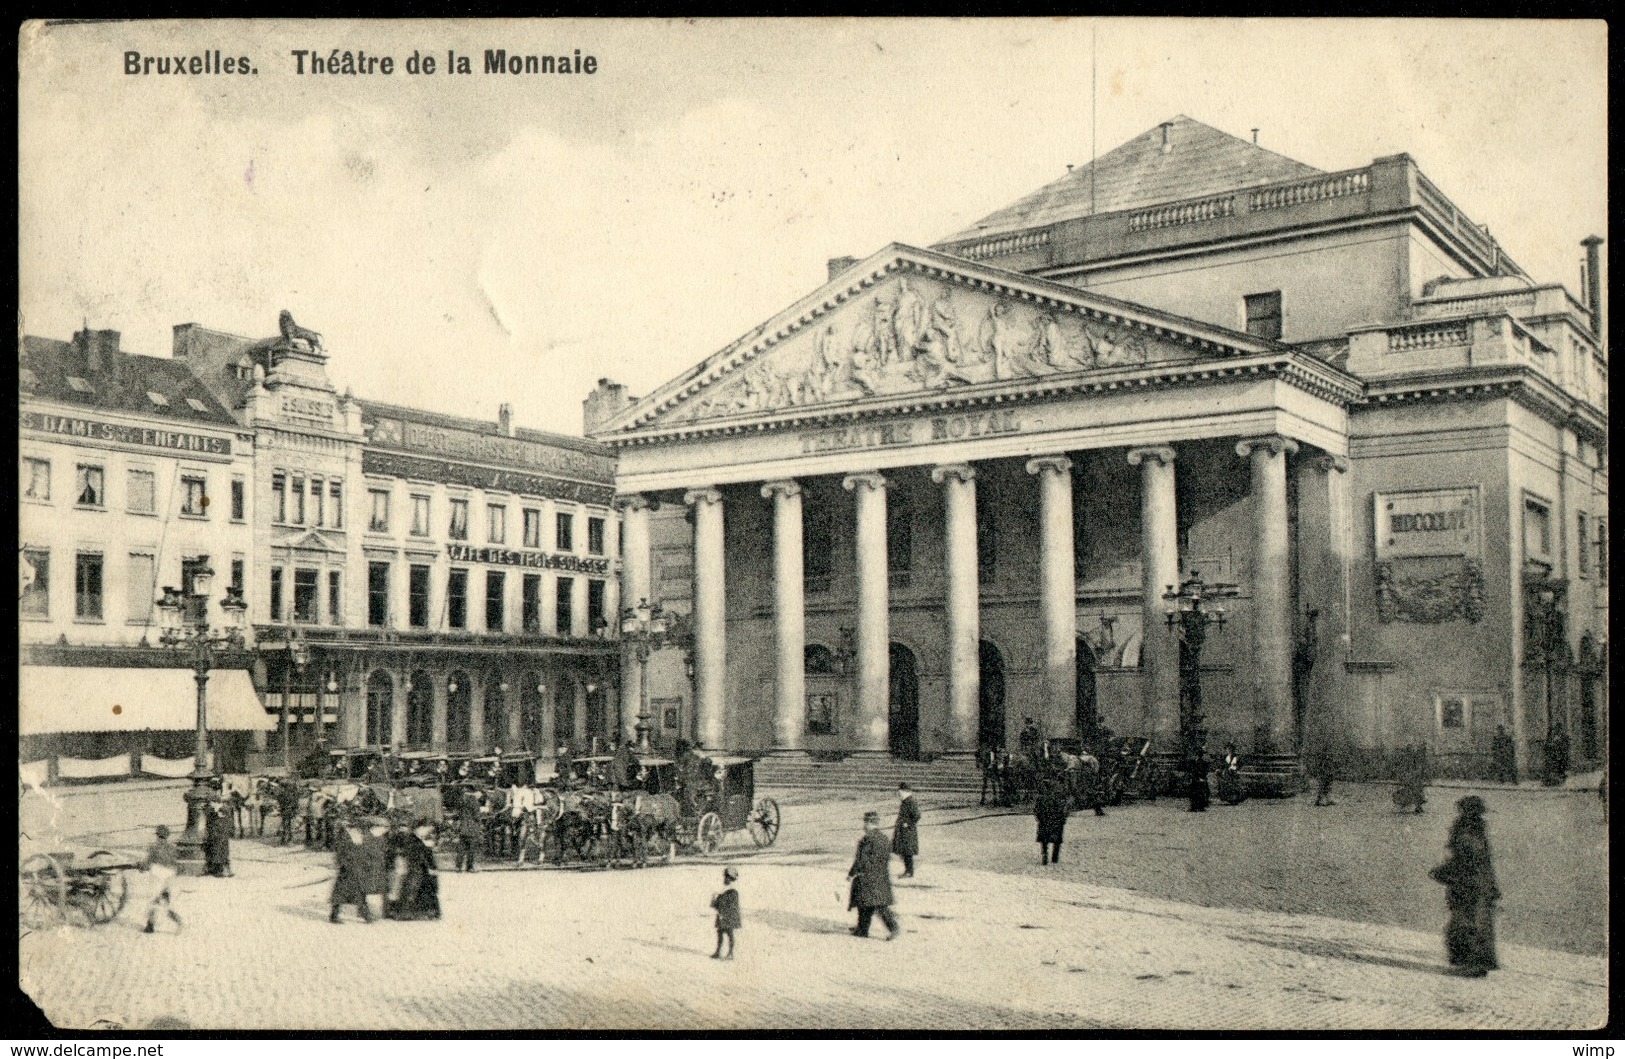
47, 886
114, 888
764, 822
708, 833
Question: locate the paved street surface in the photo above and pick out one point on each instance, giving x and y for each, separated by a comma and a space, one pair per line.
1270, 915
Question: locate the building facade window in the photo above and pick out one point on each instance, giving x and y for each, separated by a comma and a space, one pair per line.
378, 510
36, 594
306, 585
194, 496
298, 498
87, 586
595, 536
496, 524
533, 528
335, 493
564, 534
239, 500
1264, 314
378, 594
1584, 555
36, 479
276, 593
420, 515
597, 623
417, 597
564, 607
141, 492
495, 584
817, 546
1537, 529
457, 599
531, 602
457, 529
987, 544
1602, 549
335, 597
899, 534
318, 502
238, 570
89, 486
141, 591
279, 497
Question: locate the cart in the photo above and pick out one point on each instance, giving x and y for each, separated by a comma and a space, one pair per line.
56, 889
727, 805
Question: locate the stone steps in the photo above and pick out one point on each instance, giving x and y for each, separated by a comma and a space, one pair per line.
952, 775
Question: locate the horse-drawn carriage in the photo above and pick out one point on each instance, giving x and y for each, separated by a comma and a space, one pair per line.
1122, 770
59, 888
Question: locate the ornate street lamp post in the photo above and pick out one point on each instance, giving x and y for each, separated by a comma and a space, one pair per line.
645, 628
184, 627
1193, 606
297, 656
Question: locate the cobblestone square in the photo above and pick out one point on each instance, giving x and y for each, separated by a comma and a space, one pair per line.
1269, 915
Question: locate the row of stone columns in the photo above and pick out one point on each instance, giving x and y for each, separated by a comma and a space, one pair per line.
1273, 622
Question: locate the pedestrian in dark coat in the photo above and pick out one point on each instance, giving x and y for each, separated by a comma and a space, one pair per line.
1196, 781
1503, 757
1411, 795
1323, 764
1557, 758
216, 840
470, 832
905, 839
349, 878
375, 859
728, 918
1470, 892
1051, 807
871, 892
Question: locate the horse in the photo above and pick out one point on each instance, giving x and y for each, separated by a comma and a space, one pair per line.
649, 820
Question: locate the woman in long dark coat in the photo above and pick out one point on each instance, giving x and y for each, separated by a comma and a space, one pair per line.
1470, 892
417, 891
216, 840
1050, 807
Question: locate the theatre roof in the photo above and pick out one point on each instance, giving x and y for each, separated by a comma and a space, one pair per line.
1187, 161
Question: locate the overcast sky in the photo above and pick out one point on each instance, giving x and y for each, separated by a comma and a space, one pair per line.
464, 241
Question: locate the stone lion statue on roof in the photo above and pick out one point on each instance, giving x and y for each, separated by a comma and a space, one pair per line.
292, 332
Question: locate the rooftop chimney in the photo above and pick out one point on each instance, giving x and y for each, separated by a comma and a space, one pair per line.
838, 265
1593, 245
505, 420
1255, 135
100, 349
603, 404
1167, 127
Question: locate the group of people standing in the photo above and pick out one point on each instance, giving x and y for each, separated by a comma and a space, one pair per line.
393, 864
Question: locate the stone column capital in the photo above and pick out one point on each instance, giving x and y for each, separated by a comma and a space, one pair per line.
1058, 463
868, 479
1163, 454
1275, 443
1327, 463
959, 472
704, 495
783, 487
636, 502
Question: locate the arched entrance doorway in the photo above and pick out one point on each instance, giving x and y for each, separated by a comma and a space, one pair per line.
419, 709
903, 730
598, 715
990, 714
1088, 717
459, 716
532, 715
494, 714
380, 707
564, 712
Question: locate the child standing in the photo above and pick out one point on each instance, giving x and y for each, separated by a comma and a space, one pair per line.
727, 905
163, 861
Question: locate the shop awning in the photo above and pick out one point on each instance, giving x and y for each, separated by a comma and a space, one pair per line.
94, 699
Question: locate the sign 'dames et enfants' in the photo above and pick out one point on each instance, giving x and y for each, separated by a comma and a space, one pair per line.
120, 434
465, 553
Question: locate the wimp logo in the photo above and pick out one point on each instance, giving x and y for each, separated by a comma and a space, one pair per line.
1602, 1051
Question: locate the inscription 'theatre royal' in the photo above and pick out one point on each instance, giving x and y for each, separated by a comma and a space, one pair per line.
913, 432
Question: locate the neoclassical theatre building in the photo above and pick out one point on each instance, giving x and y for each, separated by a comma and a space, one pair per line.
951, 487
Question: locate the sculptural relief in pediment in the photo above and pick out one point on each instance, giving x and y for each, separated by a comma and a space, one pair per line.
915, 334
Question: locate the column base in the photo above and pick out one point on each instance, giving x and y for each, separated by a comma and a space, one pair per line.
870, 755
789, 754
1272, 776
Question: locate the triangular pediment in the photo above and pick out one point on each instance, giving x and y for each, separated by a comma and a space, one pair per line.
910, 323
311, 541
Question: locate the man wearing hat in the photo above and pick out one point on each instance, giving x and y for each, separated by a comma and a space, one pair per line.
728, 918
871, 879
905, 838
